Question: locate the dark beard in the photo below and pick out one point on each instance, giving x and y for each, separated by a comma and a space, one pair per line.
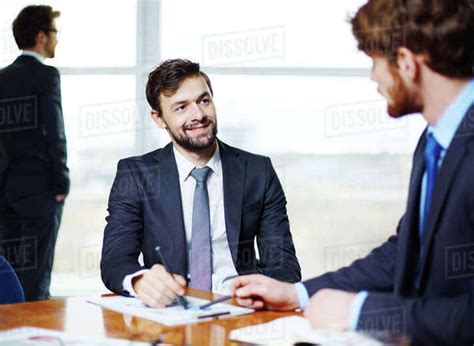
403, 101
190, 143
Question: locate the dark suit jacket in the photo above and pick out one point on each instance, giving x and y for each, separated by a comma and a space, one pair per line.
145, 211
431, 298
32, 139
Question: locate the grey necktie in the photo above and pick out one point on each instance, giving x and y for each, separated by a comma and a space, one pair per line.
200, 264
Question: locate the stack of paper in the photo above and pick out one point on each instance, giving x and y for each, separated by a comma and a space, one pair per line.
290, 330
172, 315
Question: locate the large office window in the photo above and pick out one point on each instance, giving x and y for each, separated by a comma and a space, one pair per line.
289, 83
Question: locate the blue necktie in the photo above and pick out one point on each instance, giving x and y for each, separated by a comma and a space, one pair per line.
432, 152
201, 265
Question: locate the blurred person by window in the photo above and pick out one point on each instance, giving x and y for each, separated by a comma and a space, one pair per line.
34, 177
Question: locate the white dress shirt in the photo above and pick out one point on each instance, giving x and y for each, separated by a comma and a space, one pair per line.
222, 263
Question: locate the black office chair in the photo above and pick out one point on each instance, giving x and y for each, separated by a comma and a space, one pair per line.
10, 288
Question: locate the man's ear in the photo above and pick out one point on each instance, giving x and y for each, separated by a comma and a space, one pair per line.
408, 64
41, 38
155, 115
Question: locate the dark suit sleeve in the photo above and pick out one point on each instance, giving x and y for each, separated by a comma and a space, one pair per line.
123, 235
52, 127
274, 241
448, 320
376, 271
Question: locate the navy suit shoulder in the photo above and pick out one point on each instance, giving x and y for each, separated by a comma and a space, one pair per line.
245, 154
26, 68
254, 162
131, 161
147, 157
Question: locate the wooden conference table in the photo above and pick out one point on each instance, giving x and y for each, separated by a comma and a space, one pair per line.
76, 316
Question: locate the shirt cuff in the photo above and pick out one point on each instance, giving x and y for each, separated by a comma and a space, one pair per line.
356, 308
303, 296
127, 282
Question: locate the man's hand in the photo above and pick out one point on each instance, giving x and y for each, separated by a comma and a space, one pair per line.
157, 288
60, 198
261, 292
330, 309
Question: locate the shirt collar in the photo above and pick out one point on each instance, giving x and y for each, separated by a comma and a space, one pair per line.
39, 57
185, 167
447, 125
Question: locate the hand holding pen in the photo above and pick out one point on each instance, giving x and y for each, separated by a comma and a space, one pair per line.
181, 298
158, 288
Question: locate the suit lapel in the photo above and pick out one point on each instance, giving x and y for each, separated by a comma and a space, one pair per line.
408, 235
447, 172
170, 200
233, 171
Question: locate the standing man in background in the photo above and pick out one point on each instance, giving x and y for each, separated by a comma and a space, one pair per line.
420, 282
34, 177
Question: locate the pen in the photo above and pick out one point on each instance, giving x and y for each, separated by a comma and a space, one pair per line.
217, 314
182, 300
215, 301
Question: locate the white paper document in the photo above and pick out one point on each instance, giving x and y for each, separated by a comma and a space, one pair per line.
173, 315
25, 336
290, 330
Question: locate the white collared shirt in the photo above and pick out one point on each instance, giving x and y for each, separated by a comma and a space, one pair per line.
222, 264
38, 57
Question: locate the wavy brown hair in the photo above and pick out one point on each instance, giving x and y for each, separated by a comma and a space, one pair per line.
441, 29
168, 76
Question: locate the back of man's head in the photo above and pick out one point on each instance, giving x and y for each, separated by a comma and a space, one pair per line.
443, 30
30, 21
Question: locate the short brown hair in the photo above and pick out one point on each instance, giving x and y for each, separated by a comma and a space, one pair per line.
31, 21
168, 76
441, 29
